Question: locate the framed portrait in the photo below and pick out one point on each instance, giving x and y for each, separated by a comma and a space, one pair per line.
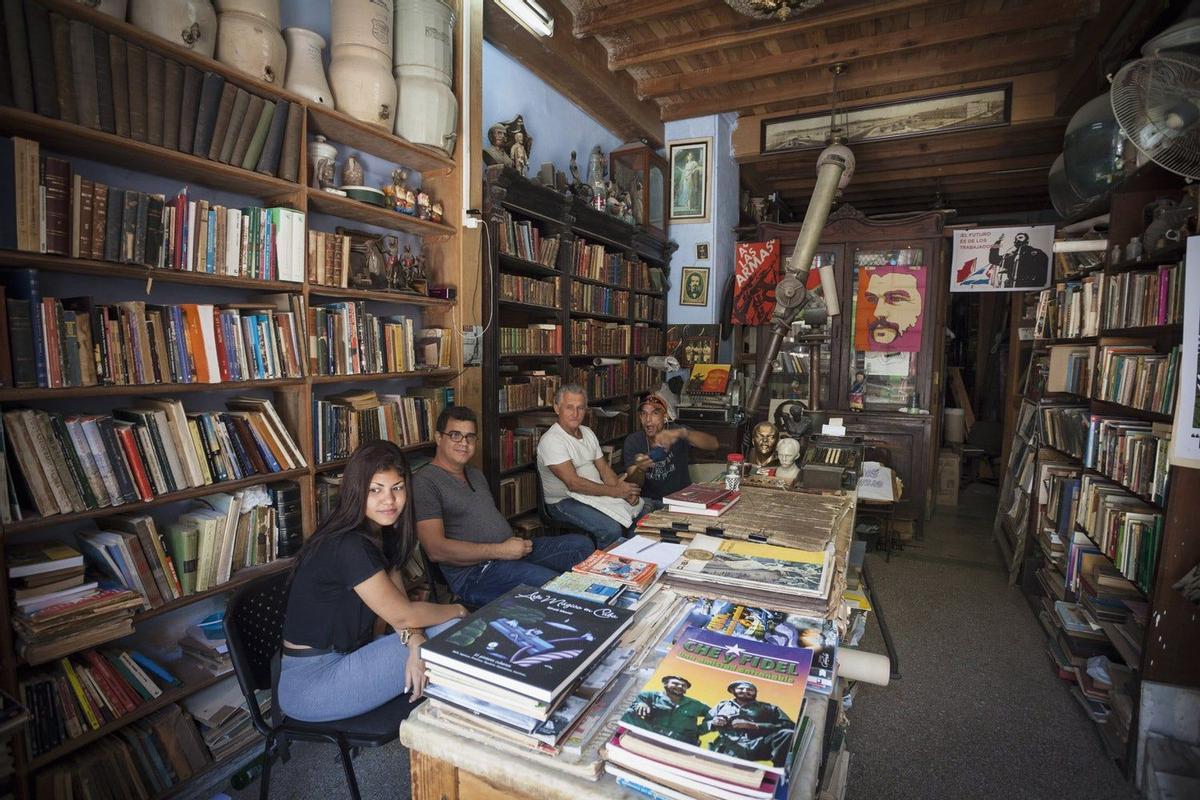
702, 251
693, 286
978, 108
690, 170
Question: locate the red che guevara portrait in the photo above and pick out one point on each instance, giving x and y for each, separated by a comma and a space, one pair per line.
890, 308
755, 271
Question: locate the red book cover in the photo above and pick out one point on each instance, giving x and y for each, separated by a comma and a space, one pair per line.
756, 271
126, 437
53, 345
698, 495
109, 683
629, 571
107, 598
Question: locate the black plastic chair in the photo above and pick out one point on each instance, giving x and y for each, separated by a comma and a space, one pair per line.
254, 633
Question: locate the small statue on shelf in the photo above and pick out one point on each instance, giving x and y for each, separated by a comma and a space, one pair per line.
787, 451
762, 451
497, 150
596, 172
518, 153
403, 270
407, 204
423, 210
639, 209
437, 211
352, 171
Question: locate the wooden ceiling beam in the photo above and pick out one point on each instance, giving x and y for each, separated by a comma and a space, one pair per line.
576, 69
599, 17
1119, 28
931, 170
640, 54
917, 38
944, 65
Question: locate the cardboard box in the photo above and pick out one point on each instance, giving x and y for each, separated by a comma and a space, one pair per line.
949, 468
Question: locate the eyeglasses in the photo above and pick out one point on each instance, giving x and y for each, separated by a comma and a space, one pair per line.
459, 436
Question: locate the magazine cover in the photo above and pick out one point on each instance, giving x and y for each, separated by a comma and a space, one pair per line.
738, 699
751, 564
774, 627
629, 571
529, 640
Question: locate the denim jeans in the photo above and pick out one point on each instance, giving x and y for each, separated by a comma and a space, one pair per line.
551, 556
603, 528
340, 685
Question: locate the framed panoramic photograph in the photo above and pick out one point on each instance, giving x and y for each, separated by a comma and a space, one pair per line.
693, 286
978, 108
690, 170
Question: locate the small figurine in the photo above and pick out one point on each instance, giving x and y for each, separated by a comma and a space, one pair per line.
518, 153
787, 452
352, 171
423, 211
596, 172
858, 390
404, 269
762, 453
497, 150
574, 170
437, 212
408, 204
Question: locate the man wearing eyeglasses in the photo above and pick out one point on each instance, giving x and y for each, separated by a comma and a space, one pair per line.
461, 529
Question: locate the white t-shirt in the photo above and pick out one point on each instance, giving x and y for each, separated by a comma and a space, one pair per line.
557, 447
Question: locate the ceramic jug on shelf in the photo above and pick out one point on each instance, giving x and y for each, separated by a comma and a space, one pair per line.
305, 71
248, 38
191, 23
360, 68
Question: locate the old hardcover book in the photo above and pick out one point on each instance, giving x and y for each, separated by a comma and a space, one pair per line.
102, 75
58, 205
112, 223
41, 58
8, 193
83, 242
254, 150
268, 161
229, 94
171, 98
211, 91
241, 104
99, 220
129, 226
138, 82
289, 155
119, 74
18, 55
83, 68
64, 79
189, 107
154, 97
249, 125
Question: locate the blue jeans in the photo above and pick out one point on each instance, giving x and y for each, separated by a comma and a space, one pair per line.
603, 528
551, 556
341, 685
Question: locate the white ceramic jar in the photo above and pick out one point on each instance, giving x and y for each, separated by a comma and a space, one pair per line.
366, 23
191, 23
425, 38
362, 84
305, 70
266, 10
427, 112
252, 44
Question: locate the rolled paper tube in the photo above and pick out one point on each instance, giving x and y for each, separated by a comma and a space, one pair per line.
666, 363
829, 289
855, 665
607, 362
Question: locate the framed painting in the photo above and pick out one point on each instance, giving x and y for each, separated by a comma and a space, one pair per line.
693, 286
690, 171
978, 108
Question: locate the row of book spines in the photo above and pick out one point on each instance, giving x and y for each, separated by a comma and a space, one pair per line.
1139, 299
328, 258
84, 693
339, 429
533, 339
522, 289
1144, 381
1110, 516
78, 463
518, 493
646, 277
614, 303
69, 342
649, 307
346, 339
71, 71
1130, 454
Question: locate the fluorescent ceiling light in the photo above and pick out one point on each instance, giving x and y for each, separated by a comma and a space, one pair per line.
531, 15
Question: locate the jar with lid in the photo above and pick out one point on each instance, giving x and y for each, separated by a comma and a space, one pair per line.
733, 471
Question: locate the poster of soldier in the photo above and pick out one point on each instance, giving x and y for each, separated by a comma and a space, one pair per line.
981, 108
1015, 259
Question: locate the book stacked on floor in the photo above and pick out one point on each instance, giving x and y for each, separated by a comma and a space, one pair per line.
756, 575
79, 462
527, 665
84, 692
342, 422
140, 761
224, 721
107, 83
705, 499
685, 734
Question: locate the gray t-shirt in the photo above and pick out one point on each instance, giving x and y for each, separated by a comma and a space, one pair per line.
468, 513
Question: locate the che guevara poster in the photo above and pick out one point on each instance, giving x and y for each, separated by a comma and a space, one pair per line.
890, 308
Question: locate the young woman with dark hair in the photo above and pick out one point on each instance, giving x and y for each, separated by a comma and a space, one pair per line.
346, 577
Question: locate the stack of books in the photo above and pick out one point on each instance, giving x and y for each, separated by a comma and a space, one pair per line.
685, 735
635, 574
57, 612
204, 644
526, 666
224, 720
704, 499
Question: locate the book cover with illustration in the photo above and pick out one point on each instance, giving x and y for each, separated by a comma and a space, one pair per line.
530, 640
710, 379
754, 565
629, 571
773, 627
737, 700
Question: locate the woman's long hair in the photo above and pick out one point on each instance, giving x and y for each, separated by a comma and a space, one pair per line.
348, 515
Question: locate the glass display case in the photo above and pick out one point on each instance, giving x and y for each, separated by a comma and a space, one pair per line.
643, 172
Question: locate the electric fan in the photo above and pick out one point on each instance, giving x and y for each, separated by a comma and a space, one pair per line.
1156, 100
1094, 151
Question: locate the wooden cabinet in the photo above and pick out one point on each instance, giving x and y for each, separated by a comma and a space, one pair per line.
638, 168
897, 268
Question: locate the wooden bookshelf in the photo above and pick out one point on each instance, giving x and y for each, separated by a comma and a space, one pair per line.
521, 266
440, 175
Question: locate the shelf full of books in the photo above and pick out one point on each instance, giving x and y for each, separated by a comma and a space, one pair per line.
191, 343
571, 284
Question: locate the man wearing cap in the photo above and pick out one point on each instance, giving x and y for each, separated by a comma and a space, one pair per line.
749, 729
669, 712
660, 449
